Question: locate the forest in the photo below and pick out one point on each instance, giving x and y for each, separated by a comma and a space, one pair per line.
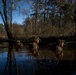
46, 18
44, 43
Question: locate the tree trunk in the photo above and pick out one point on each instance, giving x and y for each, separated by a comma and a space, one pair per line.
45, 12
9, 34
5, 18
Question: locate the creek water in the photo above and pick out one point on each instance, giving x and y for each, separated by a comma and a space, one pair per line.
24, 63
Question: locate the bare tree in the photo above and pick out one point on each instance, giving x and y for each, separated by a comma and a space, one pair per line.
6, 9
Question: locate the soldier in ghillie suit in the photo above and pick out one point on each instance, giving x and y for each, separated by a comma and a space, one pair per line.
19, 45
59, 48
34, 47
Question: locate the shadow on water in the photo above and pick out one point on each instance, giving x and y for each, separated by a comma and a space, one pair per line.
14, 62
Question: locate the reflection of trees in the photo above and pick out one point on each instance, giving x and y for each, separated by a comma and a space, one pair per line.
11, 64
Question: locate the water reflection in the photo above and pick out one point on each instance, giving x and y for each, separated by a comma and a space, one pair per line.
14, 62
11, 66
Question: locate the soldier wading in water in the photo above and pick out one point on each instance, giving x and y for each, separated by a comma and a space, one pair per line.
34, 47
59, 48
19, 45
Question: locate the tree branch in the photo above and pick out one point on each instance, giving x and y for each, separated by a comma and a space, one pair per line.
2, 17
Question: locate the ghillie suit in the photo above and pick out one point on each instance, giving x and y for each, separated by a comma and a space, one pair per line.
19, 45
59, 48
34, 47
